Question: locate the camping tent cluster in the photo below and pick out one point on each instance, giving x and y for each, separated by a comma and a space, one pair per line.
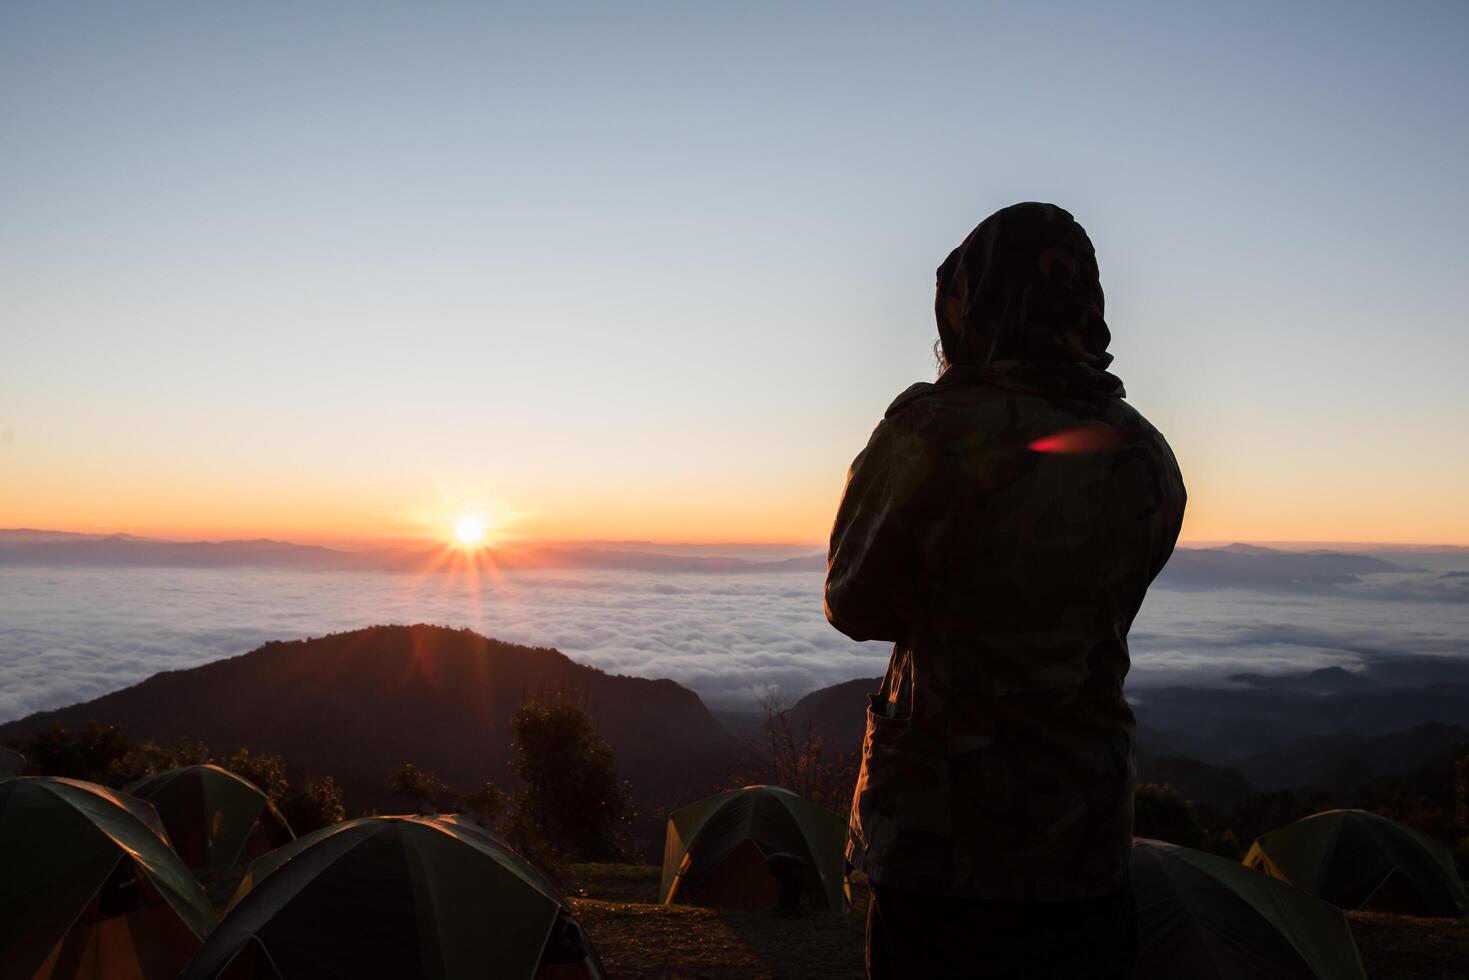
1198, 914
1196, 909
1355, 859
93, 887
97, 883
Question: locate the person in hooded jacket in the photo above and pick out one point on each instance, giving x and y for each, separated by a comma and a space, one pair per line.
1001, 529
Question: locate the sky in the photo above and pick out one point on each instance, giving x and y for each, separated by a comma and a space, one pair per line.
345, 272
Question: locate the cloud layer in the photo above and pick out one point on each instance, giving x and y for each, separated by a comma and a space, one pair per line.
70, 634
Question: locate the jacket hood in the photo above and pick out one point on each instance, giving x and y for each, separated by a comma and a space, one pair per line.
1020, 303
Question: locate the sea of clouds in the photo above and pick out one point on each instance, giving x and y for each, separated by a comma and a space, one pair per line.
69, 634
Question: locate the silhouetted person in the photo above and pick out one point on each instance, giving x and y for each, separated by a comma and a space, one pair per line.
1001, 528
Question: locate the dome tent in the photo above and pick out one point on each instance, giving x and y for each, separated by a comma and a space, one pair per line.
91, 888
715, 851
404, 897
1355, 859
1200, 915
214, 818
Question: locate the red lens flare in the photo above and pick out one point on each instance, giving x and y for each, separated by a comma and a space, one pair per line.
1096, 437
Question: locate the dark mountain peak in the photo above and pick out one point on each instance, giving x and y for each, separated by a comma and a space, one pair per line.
1324, 680
837, 713
359, 704
1240, 548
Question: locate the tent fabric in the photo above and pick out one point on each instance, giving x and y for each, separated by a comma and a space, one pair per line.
1204, 916
707, 855
91, 886
215, 818
1356, 859
406, 897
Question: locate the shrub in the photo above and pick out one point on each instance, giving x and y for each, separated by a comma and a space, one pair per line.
572, 805
317, 805
416, 787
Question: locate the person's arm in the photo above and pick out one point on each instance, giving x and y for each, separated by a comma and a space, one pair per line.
1170, 518
872, 564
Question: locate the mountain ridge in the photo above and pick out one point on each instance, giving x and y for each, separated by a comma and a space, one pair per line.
357, 705
1320, 572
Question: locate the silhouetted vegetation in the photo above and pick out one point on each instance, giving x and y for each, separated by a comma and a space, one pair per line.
108, 755
484, 804
418, 789
1162, 814
317, 805
266, 771
572, 804
788, 751
1433, 798
103, 754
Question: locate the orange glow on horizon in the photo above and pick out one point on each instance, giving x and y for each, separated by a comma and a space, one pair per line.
1226, 503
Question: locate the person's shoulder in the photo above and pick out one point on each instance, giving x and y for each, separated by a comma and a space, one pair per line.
908, 398
937, 414
1129, 418
1138, 431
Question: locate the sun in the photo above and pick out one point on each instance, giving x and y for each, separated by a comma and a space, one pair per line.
469, 530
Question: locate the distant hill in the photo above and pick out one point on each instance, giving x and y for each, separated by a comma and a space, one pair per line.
1338, 763
838, 714
1249, 566
25, 547
1318, 730
1231, 725
357, 705
1237, 566
1220, 787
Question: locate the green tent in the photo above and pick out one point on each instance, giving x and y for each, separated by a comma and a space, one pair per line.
12, 763
89, 887
214, 818
1200, 915
715, 851
404, 897
1358, 860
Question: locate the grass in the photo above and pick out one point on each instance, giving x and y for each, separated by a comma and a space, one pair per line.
640, 939
1404, 947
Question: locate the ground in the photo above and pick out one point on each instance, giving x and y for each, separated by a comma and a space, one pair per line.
642, 940
1401, 947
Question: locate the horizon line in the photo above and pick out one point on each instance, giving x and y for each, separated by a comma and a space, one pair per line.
511, 543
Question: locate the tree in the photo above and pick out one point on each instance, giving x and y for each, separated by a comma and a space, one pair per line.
418, 788
150, 757
1160, 813
1224, 844
268, 772
484, 804
1265, 812
317, 805
791, 755
572, 805
105, 754
86, 754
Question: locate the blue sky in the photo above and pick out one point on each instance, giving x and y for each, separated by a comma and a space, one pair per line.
646, 270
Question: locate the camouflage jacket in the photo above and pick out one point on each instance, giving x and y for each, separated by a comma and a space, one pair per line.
1001, 527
